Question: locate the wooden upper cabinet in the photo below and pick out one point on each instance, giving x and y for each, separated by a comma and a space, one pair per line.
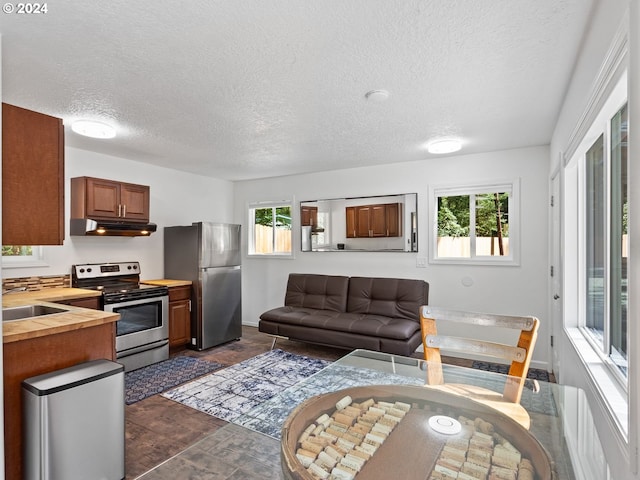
102, 197
109, 200
135, 201
363, 221
32, 178
394, 217
368, 221
351, 222
378, 219
309, 216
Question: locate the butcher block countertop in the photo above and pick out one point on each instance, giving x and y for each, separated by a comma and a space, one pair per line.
74, 318
164, 282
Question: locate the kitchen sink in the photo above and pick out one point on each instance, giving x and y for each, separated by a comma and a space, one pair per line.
28, 311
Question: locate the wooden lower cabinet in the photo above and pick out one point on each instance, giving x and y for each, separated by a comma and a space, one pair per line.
179, 316
27, 358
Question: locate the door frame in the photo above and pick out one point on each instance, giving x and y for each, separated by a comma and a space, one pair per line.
555, 291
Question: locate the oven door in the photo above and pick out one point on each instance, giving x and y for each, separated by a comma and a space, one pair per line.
142, 322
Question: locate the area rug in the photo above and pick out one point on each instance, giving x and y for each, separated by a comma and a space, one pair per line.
269, 416
261, 392
153, 379
233, 391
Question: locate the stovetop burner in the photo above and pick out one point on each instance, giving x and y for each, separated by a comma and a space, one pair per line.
117, 281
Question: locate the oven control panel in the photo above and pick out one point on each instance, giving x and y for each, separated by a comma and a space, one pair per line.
101, 270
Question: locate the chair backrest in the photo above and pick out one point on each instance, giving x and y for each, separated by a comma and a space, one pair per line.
518, 355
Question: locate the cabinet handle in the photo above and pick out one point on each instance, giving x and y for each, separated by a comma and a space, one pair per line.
119, 210
124, 210
189, 305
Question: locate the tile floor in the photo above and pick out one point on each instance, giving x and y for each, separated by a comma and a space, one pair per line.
158, 428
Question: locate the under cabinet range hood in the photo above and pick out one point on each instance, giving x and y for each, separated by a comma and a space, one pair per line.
89, 227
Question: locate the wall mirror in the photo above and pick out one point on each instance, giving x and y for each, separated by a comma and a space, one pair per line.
384, 223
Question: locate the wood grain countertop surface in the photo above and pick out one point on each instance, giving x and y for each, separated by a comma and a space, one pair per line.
73, 318
165, 282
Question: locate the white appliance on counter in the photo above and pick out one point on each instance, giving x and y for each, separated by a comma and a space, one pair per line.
208, 254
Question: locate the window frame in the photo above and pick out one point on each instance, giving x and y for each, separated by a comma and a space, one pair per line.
251, 232
609, 383
601, 127
36, 259
511, 186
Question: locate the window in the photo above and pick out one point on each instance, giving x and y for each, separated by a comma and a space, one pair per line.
476, 224
606, 242
270, 229
18, 256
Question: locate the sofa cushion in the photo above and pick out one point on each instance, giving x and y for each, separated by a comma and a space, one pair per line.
369, 325
298, 315
322, 292
388, 297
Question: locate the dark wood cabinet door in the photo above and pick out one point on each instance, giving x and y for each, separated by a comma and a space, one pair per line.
135, 202
351, 222
363, 221
179, 323
394, 225
179, 316
309, 216
32, 178
378, 220
102, 198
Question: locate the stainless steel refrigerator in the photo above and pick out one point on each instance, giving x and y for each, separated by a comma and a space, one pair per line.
208, 254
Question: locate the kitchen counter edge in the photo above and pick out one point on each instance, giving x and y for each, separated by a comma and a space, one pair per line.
165, 282
74, 318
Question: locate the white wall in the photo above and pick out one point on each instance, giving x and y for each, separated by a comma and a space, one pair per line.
606, 20
505, 289
177, 198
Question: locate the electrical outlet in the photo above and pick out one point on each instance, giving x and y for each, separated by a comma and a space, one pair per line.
421, 262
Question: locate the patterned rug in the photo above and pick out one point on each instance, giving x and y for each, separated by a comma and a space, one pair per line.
235, 390
261, 392
153, 379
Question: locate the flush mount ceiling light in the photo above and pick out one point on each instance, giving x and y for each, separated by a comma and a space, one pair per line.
448, 145
376, 96
90, 128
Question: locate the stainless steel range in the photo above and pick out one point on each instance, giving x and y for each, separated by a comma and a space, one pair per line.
142, 333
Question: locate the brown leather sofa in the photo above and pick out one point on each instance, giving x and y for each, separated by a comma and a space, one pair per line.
380, 314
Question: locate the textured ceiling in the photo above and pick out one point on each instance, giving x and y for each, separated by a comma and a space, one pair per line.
240, 89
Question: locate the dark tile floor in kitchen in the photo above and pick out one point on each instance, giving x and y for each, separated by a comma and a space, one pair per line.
158, 428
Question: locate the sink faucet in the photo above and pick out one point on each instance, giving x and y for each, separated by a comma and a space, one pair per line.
14, 290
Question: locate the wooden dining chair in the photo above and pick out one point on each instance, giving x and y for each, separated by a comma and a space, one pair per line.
517, 355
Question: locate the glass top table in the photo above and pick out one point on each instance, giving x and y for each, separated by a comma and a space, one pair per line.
250, 446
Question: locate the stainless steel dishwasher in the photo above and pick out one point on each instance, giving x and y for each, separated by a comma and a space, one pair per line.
74, 423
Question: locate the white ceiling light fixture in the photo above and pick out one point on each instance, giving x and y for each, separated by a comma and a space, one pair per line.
445, 145
93, 129
376, 96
